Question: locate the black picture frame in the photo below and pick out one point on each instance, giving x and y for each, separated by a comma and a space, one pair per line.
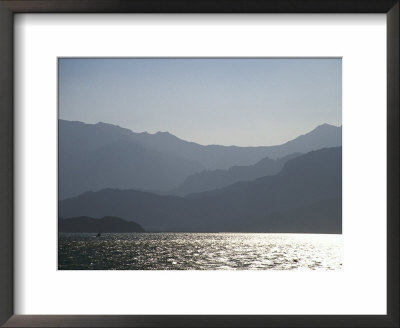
10, 7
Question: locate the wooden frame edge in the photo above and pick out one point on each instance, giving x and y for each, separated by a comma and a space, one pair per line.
6, 164
9, 7
393, 147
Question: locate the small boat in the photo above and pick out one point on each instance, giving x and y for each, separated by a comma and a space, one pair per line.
99, 234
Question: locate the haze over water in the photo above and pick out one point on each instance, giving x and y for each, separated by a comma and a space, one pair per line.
199, 251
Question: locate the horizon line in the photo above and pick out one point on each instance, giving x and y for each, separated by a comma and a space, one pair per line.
200, 144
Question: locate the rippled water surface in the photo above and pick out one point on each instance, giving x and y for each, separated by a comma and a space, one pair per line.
199, 251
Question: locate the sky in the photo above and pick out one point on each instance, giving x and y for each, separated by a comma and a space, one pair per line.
225, 101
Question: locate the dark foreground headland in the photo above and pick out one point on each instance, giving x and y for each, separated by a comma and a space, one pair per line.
105, 224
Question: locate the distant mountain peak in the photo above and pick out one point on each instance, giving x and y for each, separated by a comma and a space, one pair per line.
167, 136
320, 129
327, 126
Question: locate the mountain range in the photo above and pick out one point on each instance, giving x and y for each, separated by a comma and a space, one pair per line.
93, 157
304, 196
216, 179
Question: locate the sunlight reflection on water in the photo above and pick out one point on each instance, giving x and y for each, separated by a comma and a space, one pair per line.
199, 251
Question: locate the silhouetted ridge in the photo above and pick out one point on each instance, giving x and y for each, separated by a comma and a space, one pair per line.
98, 156
210, 180
269, 203
94, 157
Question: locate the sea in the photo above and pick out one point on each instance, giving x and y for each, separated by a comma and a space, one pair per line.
199, 251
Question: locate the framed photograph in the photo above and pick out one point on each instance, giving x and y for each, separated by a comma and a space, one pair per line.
199, 164
150, 200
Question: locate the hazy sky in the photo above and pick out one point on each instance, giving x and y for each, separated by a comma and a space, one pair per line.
209, 101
